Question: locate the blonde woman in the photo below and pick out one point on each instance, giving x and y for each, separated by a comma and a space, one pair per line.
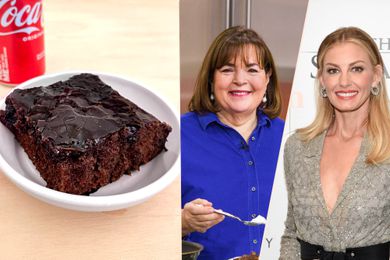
337, 168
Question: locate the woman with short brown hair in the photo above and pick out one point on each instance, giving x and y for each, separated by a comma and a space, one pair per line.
230, 144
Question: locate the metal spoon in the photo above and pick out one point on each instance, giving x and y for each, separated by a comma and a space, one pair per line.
254, 222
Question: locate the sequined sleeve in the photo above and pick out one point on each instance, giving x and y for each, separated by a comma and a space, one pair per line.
290, 248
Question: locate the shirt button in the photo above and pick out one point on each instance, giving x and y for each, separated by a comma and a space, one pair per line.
250, 163
352, 254
253, 138
254, 241
253, 189
253, 215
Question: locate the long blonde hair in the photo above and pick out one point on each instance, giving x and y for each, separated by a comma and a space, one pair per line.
378, 125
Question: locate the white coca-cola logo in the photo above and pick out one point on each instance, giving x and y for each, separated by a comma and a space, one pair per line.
24, 19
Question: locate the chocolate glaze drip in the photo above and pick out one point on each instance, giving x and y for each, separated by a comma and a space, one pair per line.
78, 112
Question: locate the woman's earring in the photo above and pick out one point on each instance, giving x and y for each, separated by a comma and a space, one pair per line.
375, 90
211, 96
264, 99
323, 92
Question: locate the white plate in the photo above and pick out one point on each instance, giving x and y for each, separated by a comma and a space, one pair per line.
125, 192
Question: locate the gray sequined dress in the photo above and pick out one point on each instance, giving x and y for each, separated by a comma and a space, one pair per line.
361, 215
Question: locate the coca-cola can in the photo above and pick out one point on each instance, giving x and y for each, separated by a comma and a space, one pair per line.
22, 49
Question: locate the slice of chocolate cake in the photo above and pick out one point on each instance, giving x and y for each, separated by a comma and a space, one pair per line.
81, 134
252, 256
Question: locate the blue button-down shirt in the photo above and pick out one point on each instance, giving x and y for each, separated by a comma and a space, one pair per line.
219, 166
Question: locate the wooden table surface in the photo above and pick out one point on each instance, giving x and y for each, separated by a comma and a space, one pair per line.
135, 39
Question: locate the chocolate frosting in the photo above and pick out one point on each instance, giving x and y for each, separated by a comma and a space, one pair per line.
78, 112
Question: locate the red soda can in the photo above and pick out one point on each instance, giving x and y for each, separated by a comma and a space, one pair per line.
22, 49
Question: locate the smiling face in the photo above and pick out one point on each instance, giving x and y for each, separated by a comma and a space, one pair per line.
348, 76
240, 85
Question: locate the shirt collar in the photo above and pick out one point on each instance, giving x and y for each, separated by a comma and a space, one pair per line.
207, 118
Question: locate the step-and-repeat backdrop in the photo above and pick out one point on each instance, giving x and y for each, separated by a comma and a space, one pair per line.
322, 18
